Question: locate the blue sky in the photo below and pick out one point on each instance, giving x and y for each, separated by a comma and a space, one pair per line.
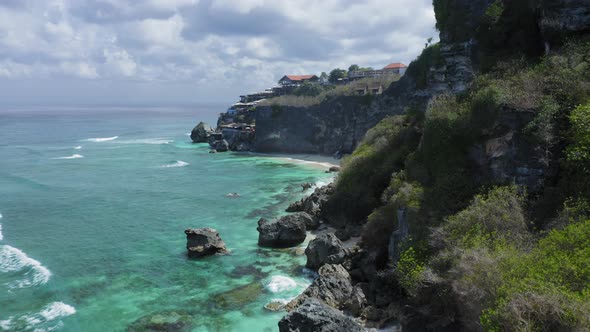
192, 51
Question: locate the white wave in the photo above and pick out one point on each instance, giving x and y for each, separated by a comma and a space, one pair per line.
78, 147
74, 156
102, 139
147, 141
1, 236
12, 259
178, 163
188, 134
279, 284
49, 314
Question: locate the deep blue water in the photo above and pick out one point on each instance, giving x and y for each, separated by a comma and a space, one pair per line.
94, 203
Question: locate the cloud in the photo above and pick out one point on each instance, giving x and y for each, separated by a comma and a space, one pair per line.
210, 47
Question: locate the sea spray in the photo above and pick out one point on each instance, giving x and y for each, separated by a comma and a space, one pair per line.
178, 163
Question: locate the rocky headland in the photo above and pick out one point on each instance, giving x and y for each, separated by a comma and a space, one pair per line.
466, 184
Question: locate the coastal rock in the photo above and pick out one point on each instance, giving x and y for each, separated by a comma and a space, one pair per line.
314, 203
311, 222
314, 316
285, 232
295, 207
202, 242
325, 249
162, 321
221, 145
333, 287
306, 186
201, 133
334, 169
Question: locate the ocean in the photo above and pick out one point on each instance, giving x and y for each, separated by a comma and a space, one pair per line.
93, 207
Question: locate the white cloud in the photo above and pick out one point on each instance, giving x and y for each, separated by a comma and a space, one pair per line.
216, 45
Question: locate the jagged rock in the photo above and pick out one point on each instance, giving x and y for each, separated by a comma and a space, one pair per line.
201, 133
311, 222
306, 186
295, 207
275, 305
313, 316
333, 287
325, 249
204, 242
285, 232
162, 321
221, 145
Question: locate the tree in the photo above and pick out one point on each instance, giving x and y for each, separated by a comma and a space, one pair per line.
324, 75
353, 68
336, 74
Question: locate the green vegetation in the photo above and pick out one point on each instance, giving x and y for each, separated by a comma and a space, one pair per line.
310, 95
337, 74
420, 67
510, 259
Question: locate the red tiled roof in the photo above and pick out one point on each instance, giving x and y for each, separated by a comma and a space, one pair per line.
299, 77
395, 66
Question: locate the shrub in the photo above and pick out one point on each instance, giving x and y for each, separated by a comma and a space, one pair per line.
579, 151
420, 68
497, 215
366, 173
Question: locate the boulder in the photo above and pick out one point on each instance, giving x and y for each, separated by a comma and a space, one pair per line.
284, 232
333, 287
311, 222
221, 145
201, 133
325, 249
202, 242
314, 316
334, 169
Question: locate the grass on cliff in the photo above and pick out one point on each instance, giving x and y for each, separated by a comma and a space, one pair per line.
323, 93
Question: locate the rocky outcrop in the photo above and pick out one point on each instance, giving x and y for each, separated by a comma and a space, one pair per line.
334, 288
284, 232
202, 242
220, 145
324, 249
201, 133
313, 203
313, 316
560, 19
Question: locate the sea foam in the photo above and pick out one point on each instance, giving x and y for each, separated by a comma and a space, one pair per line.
178, 163
13, 259
74, 156
78, 147
154, 141
47, 316
279, 284
102, 139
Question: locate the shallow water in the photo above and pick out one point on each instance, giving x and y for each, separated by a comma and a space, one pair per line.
93, 206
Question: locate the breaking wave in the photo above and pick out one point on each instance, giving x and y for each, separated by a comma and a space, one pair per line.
14, 260
102, 139
78, 147
279, 284
178, 163
74, 156
45, 320
147, 141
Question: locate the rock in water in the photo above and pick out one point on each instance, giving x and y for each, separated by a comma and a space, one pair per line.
281, 233
314, 316
204, 242
221, 145
201, 133
325, 249
162, 321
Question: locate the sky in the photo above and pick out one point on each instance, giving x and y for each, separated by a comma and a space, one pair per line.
120, 52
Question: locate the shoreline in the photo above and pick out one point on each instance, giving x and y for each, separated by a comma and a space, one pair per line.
314, 160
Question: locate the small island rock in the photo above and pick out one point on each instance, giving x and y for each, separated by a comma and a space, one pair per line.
201, 133
202, 242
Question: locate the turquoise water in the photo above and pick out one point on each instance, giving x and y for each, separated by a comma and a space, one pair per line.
94, 204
